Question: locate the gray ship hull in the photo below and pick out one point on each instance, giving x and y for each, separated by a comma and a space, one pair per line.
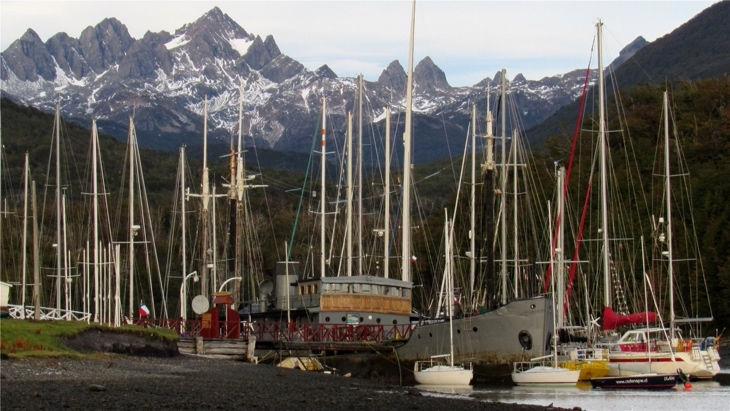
521, 329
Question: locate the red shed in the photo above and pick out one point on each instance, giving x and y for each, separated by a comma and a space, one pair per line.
221, 321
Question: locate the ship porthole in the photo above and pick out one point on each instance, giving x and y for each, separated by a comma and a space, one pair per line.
395, 322
377, 320
327, 319
362, 319
430, 335
344, 319
458, 331
525, 340
475, 329
532, 306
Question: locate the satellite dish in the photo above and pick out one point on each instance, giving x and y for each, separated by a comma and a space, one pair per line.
266, 287
200, 304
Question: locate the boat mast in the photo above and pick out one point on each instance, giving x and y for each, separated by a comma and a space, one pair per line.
560, 243
449, 285
214, 245
515, 244
488, 194
472, 210
183, 194
348, 209
66, 258
58, 206
237, 194
407, 137
322, 209
503, 187
205, 197
26, 178
131, 217
386, 239
288, 285
360, 251
604, 177
95, 194
668, 189
36, 257
552, 287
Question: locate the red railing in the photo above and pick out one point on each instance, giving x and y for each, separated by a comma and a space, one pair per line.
270, 331
340, 333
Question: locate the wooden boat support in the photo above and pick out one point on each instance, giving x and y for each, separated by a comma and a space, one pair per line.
218, 348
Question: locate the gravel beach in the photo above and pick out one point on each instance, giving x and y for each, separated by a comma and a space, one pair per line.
125, 382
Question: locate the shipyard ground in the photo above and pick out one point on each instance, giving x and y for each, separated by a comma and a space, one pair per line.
126, 382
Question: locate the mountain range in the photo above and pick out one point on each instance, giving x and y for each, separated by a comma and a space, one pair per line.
165, 77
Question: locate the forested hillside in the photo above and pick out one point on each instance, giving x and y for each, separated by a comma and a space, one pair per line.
701, 111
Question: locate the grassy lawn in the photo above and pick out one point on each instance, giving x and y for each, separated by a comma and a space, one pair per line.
28, 338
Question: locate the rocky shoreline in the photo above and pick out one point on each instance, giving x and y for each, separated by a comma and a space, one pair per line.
117, 382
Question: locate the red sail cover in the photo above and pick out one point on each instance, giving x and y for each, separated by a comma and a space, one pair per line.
611, 320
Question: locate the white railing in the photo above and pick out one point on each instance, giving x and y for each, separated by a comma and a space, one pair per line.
20, 312
588, 354
522, 366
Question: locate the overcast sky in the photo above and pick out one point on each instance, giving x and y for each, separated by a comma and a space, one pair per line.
469, 40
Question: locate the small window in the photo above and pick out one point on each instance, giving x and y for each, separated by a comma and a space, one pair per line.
430, 335
475, 329
344, 319
458, 331
395, 322
378, 321
362, 319
327, 319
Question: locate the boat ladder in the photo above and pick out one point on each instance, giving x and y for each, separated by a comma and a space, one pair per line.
704, 355
708, 361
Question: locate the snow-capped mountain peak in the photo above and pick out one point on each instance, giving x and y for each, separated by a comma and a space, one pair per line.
106, 73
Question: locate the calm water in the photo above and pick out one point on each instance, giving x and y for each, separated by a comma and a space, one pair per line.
703, 396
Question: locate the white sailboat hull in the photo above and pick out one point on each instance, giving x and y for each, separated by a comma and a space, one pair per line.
628, 364
443, 375
546, 376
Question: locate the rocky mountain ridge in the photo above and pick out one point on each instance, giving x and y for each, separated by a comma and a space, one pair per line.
165, 78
